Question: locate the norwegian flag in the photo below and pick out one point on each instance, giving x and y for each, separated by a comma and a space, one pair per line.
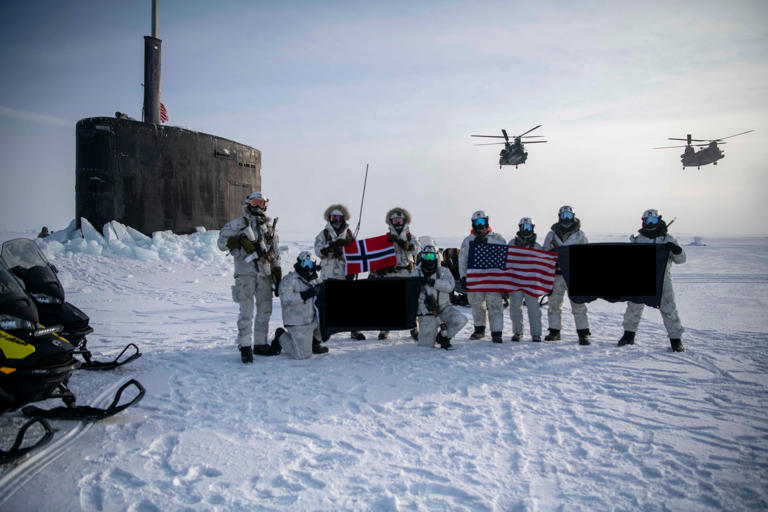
369, 254
501, 268
163, 113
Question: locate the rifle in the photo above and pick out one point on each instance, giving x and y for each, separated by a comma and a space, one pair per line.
360, 217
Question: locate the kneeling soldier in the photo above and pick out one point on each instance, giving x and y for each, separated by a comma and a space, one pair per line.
438, 320
301, 336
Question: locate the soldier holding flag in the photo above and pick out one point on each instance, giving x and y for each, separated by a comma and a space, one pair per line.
406, 248
482, 234
329, 247
566, 231
654, 231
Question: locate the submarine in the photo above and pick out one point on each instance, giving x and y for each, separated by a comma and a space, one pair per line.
155, 177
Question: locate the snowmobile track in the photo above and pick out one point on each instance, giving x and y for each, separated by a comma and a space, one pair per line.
38, 460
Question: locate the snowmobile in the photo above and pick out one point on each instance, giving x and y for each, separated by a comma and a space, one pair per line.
27, 262
36, 364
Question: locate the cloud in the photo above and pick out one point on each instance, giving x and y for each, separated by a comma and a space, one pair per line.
34, 117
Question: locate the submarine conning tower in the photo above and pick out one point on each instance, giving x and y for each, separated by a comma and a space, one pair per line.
154, 177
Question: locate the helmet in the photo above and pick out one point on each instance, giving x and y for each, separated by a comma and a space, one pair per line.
651, 217
565, 213
306, 265
256, 203
480, 221
430, 259
526, 224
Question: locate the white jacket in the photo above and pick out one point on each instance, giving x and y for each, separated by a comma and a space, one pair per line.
493, 238
296, 311
661, 240
441, 290
262, 266
332, 267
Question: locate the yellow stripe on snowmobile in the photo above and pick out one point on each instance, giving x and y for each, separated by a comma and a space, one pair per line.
13, 347
7, 371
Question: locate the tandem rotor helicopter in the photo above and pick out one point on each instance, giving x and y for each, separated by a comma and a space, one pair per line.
709, 155
514, 152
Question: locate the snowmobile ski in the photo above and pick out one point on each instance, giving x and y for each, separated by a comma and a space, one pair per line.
17, 451
85, 412
90, 364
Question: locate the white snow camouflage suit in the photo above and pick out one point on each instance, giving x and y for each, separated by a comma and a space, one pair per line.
481, 300
429, 322
332, 265
299, 316
668, 307
252, 280
555, 309
531, 304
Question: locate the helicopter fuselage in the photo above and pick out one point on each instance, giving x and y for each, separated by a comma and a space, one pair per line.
709, 155
512, 155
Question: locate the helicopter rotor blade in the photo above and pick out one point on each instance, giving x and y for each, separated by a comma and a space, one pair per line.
668, 147
689, 140
529, 131
490, 144
531, 136
535, 141
506, 137
489, 136
728, 137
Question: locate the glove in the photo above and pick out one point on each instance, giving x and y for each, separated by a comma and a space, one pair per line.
309, 293
480, 240
674, 248
430, 303
399, 241
233, 242
325, 251
247, 245
339, 242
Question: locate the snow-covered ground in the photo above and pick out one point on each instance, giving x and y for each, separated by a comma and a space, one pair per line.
385, 425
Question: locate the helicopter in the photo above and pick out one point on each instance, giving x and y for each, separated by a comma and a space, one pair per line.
514, 152
710, 153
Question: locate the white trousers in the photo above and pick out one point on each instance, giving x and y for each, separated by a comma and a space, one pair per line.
516, 313
495, 307
247, 288
668, 308
453, 319
555, 310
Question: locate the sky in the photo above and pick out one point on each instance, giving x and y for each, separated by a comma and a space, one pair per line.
324, 88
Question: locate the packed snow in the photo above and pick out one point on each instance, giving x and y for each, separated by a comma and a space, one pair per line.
386, 425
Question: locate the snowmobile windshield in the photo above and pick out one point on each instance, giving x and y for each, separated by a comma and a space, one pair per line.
14, 301
22, 252
25, 259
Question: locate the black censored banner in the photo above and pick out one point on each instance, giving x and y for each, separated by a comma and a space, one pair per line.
614, 272
368, 305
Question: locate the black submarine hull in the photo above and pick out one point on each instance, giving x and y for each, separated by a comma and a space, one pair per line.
154, 178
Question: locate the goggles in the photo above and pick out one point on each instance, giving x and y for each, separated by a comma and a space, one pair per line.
260, 203
566, 215
336, 218
429, 256
651, 219
307, 264
398, 221
526, 226
481, 222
